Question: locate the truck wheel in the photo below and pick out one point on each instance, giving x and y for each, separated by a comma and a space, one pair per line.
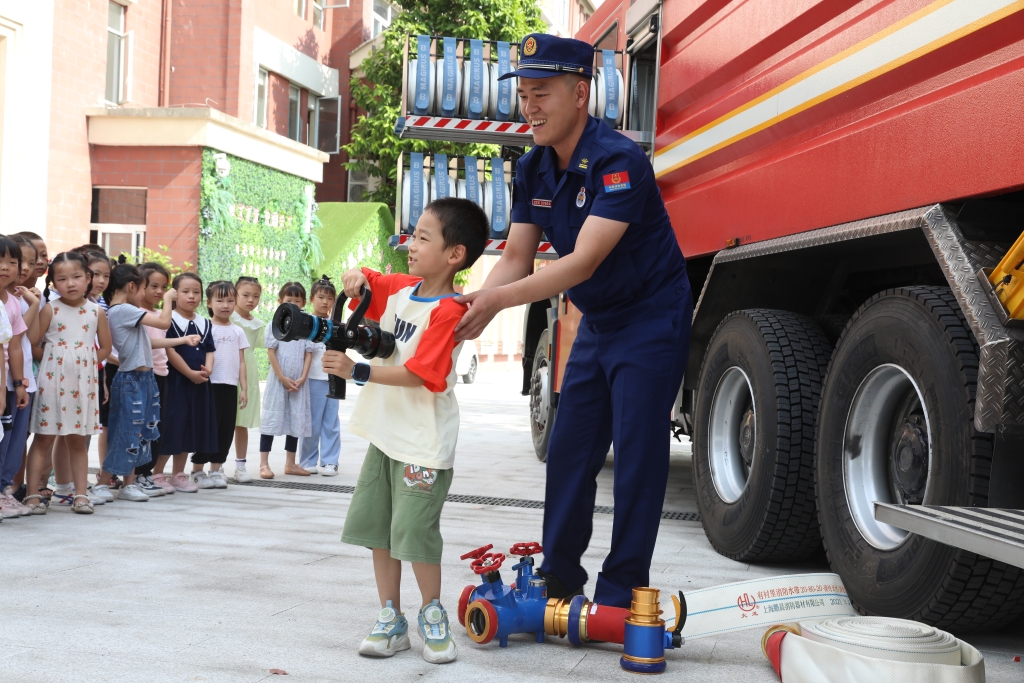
542, 412
897, 426
753, 447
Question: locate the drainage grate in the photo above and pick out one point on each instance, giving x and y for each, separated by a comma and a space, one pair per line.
462, 498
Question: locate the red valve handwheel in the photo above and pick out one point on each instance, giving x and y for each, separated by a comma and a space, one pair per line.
525, 549
488, 562
474, 554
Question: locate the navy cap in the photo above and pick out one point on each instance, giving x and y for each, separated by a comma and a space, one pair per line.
543, 56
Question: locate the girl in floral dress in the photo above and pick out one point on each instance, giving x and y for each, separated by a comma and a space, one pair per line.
67, 397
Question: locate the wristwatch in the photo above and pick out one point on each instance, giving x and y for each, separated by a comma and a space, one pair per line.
361, 373
19, 383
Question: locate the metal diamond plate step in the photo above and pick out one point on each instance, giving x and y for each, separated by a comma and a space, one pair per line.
991, 532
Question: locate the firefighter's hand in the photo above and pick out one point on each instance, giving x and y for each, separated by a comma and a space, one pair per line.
338, 364
352, 282
483, 305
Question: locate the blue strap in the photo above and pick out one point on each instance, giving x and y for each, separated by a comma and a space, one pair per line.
451, 80
498, 226
472, 181
421, 102
505, 86
611, 88
476, 79
415, 189
441, 175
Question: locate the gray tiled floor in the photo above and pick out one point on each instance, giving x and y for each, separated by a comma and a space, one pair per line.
225, 585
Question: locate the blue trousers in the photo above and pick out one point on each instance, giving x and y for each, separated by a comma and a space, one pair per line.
619, 387
12, 448
324, 443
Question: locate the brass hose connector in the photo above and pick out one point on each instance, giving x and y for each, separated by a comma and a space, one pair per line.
556, 617
643, 610
789, 628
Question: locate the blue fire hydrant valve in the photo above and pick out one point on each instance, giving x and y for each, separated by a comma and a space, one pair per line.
494, 610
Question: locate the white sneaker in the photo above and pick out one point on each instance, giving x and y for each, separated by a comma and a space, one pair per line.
389, 635
241, 476
202, 480
310, 468
103, 491
134, 493
95, 498
149, 487
329, 471
218, 479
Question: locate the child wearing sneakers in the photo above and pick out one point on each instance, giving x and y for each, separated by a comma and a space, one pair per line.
408, 413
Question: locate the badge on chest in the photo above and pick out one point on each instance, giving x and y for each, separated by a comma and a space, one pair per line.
581, 198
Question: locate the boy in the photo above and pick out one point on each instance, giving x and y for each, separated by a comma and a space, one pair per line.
408, 413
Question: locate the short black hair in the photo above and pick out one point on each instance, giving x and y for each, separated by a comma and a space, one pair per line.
9, 247
150, 267
462, 222
324, 284
122, 275
292, 289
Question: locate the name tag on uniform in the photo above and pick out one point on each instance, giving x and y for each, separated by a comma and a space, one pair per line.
616, 182
542, 203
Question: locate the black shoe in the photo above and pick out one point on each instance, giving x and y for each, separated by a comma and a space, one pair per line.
557, 589
19, 495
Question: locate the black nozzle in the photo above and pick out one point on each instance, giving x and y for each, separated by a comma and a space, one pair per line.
290, 323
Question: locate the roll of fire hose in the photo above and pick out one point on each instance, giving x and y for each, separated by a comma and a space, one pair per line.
411, 209
599, 94
854, 649
815, 636
466, 82
448, 92
414, 91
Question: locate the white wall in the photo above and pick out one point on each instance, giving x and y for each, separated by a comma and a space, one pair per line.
26, 30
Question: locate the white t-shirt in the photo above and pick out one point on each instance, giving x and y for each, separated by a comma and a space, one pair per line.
414, 425
228, 340
26, 351
316, 369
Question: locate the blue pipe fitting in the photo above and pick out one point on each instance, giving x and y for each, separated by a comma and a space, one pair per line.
576, 610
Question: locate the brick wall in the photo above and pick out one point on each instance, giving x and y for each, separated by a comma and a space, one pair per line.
172, 178
200, 53
277, 17
125, 206
79, 81
349, 30
277, 104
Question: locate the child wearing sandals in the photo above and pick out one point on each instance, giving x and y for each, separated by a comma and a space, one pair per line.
67, 398
286, 402
134, 418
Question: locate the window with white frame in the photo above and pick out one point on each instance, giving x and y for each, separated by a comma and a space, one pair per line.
300, 7
311, 133
294, 118
119, 56
382, 14
318, 14
260, 108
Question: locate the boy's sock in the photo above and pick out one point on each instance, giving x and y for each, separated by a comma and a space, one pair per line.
239, 461
438, 646
389, 635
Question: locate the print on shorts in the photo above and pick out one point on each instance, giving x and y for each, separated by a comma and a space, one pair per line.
420, 478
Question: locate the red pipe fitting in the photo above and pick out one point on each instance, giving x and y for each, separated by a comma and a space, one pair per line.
606, 624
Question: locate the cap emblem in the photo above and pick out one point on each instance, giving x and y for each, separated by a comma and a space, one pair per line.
530, 46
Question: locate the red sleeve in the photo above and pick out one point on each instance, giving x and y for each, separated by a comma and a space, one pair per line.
382, 286
433, 358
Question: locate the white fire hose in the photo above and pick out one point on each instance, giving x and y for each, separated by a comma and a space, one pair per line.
815, 636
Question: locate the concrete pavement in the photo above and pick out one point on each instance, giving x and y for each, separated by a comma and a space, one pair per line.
226, 585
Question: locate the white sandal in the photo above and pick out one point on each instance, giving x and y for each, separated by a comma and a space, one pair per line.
39, 508
85, 508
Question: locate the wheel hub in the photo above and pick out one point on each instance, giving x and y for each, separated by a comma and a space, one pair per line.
909, 461
539, 396
747, 438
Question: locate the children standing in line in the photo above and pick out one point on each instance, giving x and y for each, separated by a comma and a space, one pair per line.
191, 422
134, 396
324, 445
67, 398
16, 386
28, 299
157, 282
229, 383
286, 404
248, 291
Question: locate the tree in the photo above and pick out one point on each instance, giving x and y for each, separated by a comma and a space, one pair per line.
375, 147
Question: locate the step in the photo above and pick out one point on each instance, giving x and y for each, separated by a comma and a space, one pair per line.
991, 532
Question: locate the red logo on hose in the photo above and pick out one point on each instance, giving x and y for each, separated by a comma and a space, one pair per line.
746, 602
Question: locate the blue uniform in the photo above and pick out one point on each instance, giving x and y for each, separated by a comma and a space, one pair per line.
627, 361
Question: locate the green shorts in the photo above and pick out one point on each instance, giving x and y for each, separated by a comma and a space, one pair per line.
398, 506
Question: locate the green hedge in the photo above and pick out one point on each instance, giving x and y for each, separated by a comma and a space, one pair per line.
253, 222
355, 235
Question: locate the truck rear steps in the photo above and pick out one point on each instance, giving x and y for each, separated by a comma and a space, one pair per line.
991, 532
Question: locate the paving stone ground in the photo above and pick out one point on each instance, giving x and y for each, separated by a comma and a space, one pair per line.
226, 585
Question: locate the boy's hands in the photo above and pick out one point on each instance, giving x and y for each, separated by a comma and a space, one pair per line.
352, 281
337, 363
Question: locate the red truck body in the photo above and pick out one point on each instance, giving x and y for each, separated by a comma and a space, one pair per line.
879, 106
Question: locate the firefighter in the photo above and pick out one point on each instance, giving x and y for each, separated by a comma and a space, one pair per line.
590, 191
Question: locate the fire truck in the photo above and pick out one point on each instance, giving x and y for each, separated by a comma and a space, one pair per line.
845, 180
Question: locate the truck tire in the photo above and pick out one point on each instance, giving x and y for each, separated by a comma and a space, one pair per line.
753, 447
897, 425
542, 411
